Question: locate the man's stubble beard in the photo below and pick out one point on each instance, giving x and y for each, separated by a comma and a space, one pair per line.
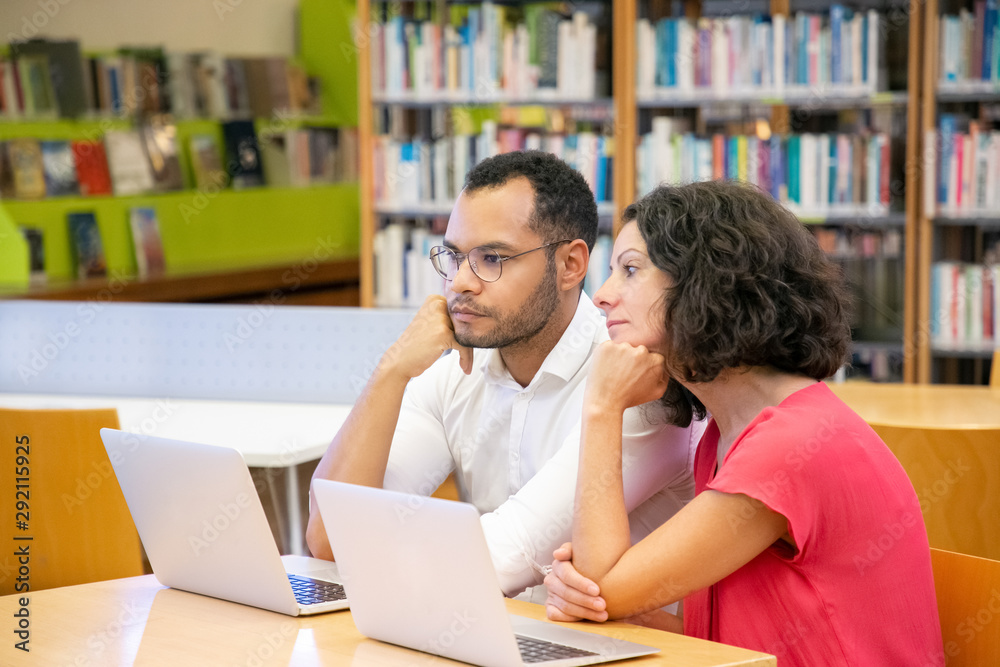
516, 327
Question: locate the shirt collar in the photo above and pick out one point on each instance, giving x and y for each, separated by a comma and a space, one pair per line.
574, 348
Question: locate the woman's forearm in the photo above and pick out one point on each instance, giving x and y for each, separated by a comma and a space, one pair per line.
600, 519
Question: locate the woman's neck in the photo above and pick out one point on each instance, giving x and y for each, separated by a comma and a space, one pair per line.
738, 395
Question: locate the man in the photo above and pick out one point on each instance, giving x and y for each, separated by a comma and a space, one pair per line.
502, 411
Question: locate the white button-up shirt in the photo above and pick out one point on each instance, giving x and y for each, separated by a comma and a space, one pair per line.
514, 450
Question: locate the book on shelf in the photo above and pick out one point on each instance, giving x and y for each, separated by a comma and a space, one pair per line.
36, 255
91, 167
404, 275
59, 168
310, 156
144, 72
11, 94
65, 70
159, 140
146, 241
237, 88
836, 52
962, 167
243, 160
422, 170
206, 164
969, 48
487, 52
599, 268
128, 164
37, 95
49, 78
814, 174
25, 170
965, 305
841, 243
88, 248
279, 154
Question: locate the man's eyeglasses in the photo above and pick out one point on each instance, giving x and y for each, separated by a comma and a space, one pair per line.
487, 264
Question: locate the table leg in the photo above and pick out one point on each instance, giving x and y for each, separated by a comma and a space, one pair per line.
295, 534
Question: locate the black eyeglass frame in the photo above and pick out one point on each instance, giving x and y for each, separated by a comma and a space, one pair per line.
460, 257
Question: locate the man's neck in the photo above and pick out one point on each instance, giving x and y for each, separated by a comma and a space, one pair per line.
525, 358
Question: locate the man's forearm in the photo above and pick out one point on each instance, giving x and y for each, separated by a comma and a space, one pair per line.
359, 452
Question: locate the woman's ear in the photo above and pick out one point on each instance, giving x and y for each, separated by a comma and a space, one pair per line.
575, 257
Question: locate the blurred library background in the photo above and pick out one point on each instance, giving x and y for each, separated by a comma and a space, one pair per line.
310, 151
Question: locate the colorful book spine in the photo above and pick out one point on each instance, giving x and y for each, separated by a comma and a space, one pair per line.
968, 165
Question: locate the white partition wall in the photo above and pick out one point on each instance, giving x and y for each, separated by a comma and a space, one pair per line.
254, 352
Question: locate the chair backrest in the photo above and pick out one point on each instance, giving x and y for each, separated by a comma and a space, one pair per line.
956, 474
968, 598
68, 522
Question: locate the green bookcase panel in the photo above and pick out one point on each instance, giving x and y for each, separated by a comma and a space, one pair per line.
13, 253
328, 50
201, 230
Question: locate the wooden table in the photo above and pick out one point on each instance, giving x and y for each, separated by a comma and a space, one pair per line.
137, 621
924, 405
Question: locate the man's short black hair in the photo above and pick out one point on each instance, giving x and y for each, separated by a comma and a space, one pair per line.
564, 204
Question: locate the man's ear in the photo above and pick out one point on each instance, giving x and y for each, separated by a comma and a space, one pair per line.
575, 258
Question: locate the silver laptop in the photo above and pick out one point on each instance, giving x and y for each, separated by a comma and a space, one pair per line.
419, 574
204, 530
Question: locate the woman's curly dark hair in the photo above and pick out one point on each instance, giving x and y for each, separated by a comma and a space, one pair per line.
751, 287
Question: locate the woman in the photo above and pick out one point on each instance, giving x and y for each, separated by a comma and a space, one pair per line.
805, 539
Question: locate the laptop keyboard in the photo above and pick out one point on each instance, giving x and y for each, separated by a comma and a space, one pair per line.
313, 591
538, 650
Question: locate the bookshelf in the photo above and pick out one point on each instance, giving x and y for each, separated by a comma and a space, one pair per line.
887, 227
959, 223
210, 234
426, 127
840, 105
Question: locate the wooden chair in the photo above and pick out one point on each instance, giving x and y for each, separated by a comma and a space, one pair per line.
62, 502
956, 474
968, 598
